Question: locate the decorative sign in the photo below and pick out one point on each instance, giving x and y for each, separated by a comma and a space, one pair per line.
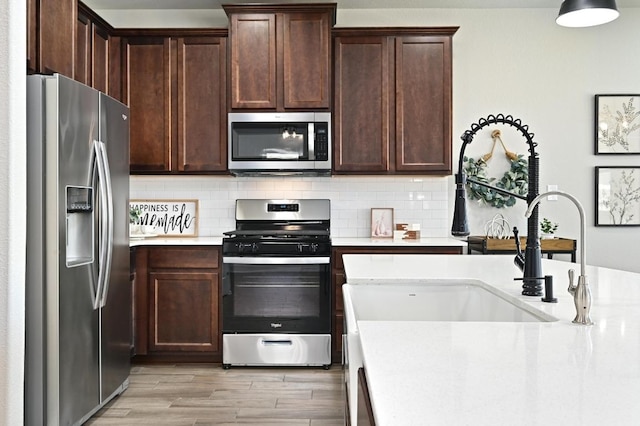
169, 218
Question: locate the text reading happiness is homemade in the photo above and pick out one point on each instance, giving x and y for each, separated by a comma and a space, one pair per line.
168, 217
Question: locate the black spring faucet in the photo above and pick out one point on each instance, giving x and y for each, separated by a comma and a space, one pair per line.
530, 262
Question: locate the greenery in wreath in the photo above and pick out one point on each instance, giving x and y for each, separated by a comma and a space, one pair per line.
515, 180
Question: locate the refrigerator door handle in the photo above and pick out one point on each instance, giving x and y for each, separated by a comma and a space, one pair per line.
106, 223
107, 212
102, 194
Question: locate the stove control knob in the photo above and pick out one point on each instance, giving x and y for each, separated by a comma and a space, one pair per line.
314, 247
300, 248
254, 247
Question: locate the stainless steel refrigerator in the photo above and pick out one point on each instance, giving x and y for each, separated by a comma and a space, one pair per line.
78, 294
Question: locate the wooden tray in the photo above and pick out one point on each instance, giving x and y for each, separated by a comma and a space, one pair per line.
497, 244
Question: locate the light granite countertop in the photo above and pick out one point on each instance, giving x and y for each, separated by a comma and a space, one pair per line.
175, 241
335, 242
482, 373
390, 242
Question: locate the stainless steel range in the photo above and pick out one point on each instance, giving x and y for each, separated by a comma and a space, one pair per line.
277, 284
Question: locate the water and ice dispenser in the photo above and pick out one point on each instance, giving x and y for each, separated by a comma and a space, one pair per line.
80, 225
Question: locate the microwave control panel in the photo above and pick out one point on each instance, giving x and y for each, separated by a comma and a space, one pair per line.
321, 141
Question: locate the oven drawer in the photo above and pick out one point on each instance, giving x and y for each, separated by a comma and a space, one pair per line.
276, 349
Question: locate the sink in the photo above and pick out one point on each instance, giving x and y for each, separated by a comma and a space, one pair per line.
455, 300
432, 300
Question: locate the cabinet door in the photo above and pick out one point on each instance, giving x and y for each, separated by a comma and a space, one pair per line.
114, 85
365, 409
99, 58
253, 60
423, 104
57, 24
148, 93
83, 50
92, 50
306, 60
184, 311
202, 110
362, 98
32, 48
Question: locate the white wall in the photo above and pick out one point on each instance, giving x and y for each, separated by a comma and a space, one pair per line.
12, 207
519, 62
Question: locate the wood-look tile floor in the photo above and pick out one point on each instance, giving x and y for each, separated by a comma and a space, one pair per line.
206, 394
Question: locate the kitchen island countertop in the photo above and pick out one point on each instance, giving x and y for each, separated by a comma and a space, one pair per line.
483, 373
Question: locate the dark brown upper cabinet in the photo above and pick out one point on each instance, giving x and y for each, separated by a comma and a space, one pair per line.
94, 55
392, 100
32, 35
280, 56
175, 86
51, 32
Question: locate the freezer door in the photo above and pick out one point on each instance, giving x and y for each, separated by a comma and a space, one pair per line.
116, 295
72, 322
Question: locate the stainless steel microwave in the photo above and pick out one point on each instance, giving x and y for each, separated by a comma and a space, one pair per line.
279, 143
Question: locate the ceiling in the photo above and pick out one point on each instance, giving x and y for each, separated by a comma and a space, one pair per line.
344, 4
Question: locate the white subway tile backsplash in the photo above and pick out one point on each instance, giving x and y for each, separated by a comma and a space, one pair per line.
414, 200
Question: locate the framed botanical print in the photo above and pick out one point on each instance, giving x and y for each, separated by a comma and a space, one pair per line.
618, 196
617, 124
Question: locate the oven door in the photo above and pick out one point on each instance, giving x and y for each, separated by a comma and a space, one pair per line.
276, 295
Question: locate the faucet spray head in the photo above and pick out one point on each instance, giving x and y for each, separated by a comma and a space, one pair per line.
460, 227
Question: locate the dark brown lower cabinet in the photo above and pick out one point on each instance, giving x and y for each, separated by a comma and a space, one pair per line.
176, 309
365, 411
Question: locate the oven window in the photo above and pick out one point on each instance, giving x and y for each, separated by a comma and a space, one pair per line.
270, 141
284, 291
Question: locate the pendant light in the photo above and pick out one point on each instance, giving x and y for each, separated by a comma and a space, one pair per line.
586, 13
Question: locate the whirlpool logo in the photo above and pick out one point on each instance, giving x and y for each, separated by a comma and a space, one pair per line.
276, 325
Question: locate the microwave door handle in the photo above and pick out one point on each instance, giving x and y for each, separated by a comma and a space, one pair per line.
312, 141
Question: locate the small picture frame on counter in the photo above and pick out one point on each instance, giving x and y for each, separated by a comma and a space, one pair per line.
617, 196
381, 222
617, 124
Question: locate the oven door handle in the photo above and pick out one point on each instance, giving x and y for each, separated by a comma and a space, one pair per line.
278, 260
274, 342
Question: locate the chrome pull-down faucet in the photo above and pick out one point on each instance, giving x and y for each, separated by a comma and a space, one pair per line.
581, 292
